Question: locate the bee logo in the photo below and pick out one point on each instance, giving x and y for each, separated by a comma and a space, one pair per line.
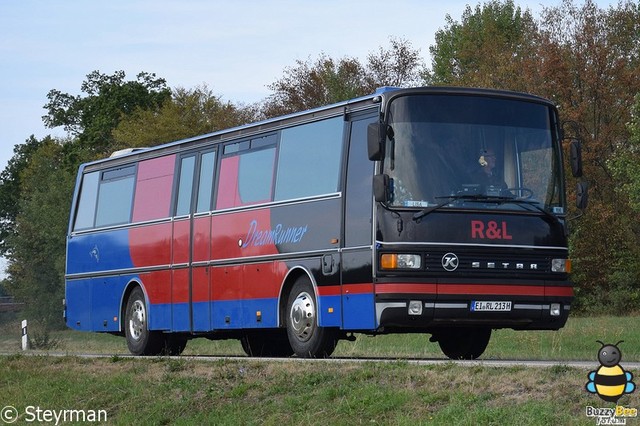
610, 381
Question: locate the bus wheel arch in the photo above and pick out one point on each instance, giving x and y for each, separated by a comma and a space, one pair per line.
123, 302
135, 323
306, 337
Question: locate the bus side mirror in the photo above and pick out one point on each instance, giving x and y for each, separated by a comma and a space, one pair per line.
575, 153
381, 188
582, 195
376, 135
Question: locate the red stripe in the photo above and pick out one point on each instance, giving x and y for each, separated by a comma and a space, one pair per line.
329, 290
365, 288
559, 291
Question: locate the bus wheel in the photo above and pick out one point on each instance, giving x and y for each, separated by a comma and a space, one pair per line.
266, 343
174, 345
140, 340
464, 343
307, 339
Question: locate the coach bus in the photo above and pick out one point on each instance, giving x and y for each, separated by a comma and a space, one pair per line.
424, 210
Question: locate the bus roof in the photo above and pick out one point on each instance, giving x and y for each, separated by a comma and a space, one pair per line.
381, 95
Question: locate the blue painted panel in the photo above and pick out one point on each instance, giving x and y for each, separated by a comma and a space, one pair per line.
101, 251
222, 309
105, 306
179, 316
201, 316
327, 318
359, 312
78, 299
267, 307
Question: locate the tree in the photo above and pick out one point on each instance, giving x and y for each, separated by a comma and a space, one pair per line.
590, 60
188, 113
491, 47
92, 118
324, 81
314, 83
586, 60
398, 66
10, 184
37, 245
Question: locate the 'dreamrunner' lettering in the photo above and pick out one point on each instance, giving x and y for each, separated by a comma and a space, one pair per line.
278, 235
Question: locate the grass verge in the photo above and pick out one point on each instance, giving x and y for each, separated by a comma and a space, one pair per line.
176, 391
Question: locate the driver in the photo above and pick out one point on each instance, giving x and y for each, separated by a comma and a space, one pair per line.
485, 175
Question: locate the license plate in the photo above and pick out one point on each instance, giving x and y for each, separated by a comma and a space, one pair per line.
486, 306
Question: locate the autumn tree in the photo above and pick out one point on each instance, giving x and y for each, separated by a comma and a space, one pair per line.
313, 83
590, 60
586, 60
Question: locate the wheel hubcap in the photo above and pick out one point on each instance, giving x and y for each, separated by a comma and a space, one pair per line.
137, 320
303, 316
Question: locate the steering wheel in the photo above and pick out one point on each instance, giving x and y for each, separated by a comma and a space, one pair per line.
528, 192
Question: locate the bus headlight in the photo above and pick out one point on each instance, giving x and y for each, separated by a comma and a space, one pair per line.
400, 261
561, 265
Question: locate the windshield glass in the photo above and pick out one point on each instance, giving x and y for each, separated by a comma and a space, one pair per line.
471, 149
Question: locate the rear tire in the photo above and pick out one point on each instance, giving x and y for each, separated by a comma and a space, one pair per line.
263, 343
464, 343
173, 345
140, 340
306, 337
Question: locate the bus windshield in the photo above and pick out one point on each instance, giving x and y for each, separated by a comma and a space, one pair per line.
472, 151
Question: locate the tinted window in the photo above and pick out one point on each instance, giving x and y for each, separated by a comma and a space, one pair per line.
205, 186
87, 203
359, 191
185, 185
309, 159
115, 196
255, 176
246, 175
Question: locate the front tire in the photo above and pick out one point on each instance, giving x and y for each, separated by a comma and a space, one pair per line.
306, 337
140, 340
464, 343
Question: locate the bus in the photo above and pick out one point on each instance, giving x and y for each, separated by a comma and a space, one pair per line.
433, 210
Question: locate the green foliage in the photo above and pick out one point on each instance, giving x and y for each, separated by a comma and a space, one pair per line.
36, 259
488, 48
93, 117
10, 182
188, 113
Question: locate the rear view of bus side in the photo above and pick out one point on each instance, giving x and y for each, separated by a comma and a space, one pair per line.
365, 216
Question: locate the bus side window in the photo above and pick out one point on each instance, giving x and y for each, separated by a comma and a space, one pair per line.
86, 212
309, 159
185, 185
246, 177
115, 196
205, 181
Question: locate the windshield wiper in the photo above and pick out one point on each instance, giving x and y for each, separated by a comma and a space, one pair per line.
485, 199
449, 199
